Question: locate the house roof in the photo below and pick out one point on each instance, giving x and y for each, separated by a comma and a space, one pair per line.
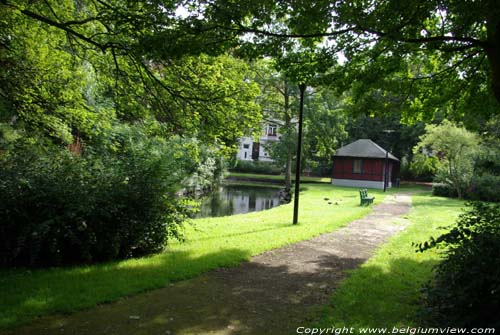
364, 148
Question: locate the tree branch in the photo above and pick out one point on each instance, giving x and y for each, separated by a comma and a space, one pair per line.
63, 26
425, 40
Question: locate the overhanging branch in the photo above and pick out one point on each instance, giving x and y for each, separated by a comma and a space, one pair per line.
65, 26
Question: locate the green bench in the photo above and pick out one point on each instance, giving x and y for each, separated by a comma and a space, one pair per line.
365, 199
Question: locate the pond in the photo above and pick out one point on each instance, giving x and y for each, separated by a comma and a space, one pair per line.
238, 199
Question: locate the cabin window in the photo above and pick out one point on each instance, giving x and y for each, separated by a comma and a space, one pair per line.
357, 166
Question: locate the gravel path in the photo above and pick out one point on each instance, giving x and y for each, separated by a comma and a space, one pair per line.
274, 293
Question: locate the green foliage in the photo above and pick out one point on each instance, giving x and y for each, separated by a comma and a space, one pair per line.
456, 148
256, 167
61, 208
423, 167
486, 181
325, 124
43, 87
443, 190
465, 291
485, 187
383, 126
209, 98
280, 150
74, 73
61, 83
207, 169
324, 128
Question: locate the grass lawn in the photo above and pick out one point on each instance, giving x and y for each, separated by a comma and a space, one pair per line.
211, 243
303, 179
384, 292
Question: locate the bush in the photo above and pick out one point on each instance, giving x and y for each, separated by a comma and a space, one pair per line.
443, 190
423, 167
256, 167
60, 208
466, 289
485, 187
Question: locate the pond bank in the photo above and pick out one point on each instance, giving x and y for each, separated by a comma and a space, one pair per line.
273, 179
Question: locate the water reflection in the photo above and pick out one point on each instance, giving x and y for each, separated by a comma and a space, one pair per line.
238, 199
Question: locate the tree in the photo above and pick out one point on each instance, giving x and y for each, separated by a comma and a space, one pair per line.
463, 36
325, 128
301, 65
384, 127
398, 50
278, 101
210, 98
73, 71
456, 148
55, 84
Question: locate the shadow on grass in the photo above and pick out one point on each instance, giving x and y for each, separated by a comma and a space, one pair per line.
373, 296
257, 298
28, 294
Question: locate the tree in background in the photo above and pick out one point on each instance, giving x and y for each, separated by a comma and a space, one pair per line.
279, 103
325, 129
456, 147
486, 180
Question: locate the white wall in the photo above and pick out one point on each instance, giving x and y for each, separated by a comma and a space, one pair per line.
245, 154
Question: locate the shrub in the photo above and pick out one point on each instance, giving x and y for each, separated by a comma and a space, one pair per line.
60, 208
207, 170
322, 169
256, 167
443, 190
466, 289
485, 187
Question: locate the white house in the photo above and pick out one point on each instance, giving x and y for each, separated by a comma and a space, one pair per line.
251, 150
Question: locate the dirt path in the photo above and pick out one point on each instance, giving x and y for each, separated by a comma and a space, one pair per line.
274, 293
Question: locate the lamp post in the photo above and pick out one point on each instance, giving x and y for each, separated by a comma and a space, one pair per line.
386, 163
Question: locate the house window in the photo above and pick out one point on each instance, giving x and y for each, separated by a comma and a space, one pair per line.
272, 130
246, 154
246, 146
357, 166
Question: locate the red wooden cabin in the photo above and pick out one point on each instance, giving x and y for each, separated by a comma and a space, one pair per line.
364, 164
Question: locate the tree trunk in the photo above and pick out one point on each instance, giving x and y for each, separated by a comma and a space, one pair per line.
493, 54
452, 171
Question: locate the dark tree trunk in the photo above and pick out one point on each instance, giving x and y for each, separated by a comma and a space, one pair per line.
493, 53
